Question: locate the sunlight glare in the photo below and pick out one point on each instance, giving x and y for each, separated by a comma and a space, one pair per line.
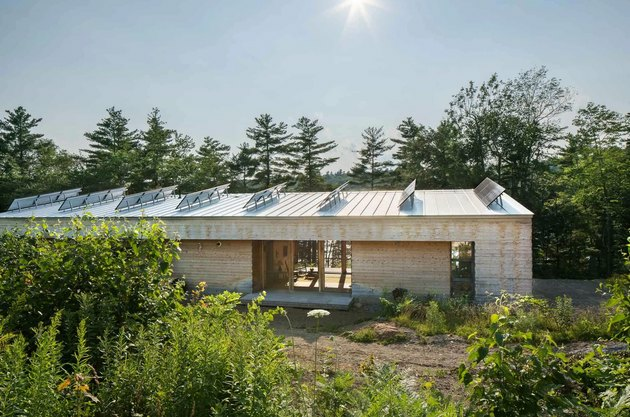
357, 9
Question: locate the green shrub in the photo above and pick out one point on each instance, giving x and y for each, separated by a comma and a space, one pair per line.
110, 274
526, 379
364, 335
436, 319
203, 359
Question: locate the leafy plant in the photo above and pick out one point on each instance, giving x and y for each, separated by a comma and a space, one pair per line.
523, 378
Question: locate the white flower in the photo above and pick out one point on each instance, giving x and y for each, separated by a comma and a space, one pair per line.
318, 313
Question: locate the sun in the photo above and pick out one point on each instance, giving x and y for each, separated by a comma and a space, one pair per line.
357, 9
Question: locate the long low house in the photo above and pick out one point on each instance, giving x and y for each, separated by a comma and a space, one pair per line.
321, 248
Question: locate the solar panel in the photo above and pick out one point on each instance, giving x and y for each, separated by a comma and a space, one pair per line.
79, 201
200, 198
335, 196
147, 197
489, 191
408, 194
264, 197
42, 199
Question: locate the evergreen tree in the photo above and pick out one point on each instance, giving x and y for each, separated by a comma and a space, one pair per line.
155, 149
242, 166
212, 167
270, 141
18, 143
30, 164
112, 157
370, 169
307, 160
181, 165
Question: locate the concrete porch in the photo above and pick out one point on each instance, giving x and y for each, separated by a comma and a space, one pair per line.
303, 299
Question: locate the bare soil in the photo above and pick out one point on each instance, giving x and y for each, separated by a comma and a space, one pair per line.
434, 358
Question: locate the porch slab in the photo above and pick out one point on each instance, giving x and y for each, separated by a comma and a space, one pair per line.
303, 299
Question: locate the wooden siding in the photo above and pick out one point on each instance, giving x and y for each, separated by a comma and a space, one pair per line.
420, 267
224, 267
503, 245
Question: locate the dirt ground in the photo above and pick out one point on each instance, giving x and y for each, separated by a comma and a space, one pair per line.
434, 358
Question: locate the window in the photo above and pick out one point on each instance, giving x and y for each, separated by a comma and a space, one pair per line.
462, 269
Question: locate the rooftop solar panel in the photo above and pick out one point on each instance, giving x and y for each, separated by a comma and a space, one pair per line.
200, 198
42, 199
488, 191
335, 196
408, 194
264, 197
145, 198
80, 201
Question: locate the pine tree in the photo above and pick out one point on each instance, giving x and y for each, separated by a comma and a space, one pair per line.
18, 143
155, 149
212, 167
306, 160
270, 141
30, 164
242, 167
113, 151
369, 169
180, 166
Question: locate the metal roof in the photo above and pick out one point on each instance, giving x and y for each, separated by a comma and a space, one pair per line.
301, 204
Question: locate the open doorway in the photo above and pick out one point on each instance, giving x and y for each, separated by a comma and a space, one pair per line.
302, 265
333, 258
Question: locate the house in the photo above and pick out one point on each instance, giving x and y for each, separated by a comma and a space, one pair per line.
345, 243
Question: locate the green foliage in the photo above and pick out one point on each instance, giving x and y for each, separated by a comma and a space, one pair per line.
379, 390
619, 302
461, 317
203, 359
522, 378
29, 163
271, 144
112, 156
110, 274
306, 159
371, 169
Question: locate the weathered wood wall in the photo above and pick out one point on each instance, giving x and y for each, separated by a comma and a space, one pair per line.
503, 245
224, 267
420, 267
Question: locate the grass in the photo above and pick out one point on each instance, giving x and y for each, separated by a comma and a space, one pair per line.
558, 319
370, 335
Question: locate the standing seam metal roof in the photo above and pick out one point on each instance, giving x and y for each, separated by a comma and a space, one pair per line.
294, 204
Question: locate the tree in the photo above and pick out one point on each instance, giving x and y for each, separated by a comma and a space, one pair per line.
18, 143
597, 182
30, 164
112, 156
212, 167
242, 167
306, 155
180, 165
270, 141
370, 169
155, 149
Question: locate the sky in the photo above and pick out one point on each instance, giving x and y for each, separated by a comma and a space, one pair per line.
211, 67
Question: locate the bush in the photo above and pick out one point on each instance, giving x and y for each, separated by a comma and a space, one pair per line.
108, 274
203, 359
524, 379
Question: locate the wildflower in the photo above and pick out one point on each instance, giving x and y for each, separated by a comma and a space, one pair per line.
318, 313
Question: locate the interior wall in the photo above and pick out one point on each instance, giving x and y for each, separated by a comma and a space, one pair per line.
223, 265
420, 267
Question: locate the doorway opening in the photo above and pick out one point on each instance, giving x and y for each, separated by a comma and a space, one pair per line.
302, 265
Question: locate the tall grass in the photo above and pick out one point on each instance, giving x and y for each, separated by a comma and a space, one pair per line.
460, 317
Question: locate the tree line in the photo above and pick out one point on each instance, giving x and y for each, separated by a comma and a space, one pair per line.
576, 179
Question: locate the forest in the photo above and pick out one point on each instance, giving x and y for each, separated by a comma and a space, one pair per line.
574, 176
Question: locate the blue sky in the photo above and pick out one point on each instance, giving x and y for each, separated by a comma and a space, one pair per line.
212, 66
